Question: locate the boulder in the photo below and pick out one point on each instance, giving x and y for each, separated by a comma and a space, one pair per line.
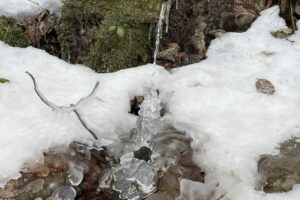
279, 173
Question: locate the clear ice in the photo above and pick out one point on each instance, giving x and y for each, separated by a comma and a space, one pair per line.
75, 175
65, 193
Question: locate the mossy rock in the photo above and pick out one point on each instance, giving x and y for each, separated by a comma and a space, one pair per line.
107, 35
3, 80
12, 33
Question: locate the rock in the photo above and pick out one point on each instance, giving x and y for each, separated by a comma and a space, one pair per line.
170, 53
264, 86
161, 196
169, 183
135, 105
283, 33
144, 153
279, 173
232, 15
37, 168
65, 174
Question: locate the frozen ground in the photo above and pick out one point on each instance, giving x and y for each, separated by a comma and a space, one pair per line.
214, 101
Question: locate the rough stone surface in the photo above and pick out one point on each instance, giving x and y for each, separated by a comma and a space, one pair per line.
279, 173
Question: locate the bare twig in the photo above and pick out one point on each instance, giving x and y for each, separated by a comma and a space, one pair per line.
71, 108
221, 197
84, 124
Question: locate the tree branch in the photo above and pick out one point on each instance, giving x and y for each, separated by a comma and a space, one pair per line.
71, 108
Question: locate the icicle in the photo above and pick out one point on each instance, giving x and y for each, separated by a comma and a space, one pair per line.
159, 30
169, 5
177, 4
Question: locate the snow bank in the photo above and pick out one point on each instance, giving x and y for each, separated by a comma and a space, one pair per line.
27, 126
214, 101
217, 103
21, 8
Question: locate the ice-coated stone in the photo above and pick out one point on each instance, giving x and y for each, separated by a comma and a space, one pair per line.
53, 198
134, 179
75, 175
35, 186
65, 193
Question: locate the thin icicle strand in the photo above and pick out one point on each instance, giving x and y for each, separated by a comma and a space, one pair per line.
169, 5
159, 30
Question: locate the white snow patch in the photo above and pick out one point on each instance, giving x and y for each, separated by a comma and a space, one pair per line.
24, 8
214, 101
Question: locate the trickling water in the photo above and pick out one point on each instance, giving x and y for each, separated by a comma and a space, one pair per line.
164, 16
134, 178
148, 121
159, 30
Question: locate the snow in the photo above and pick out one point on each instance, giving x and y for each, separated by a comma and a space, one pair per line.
21, 8
214, 101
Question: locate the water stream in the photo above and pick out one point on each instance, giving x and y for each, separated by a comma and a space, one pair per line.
135, 177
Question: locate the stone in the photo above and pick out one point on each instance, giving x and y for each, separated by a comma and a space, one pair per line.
283, 33
135, 105
161, 196
265, 86
144, 153
279, 173
170, 53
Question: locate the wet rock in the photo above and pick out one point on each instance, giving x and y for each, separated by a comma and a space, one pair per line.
37, 168
35, 186
56, 162
169, 183
170, 53
135, 104
265, 86
160, 196
279, 173
232, 15
144, 153
65, 193
65, 174
283, 33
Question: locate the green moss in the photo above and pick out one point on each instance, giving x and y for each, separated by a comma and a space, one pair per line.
3, 80
12, 33
107, 35
119, 48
